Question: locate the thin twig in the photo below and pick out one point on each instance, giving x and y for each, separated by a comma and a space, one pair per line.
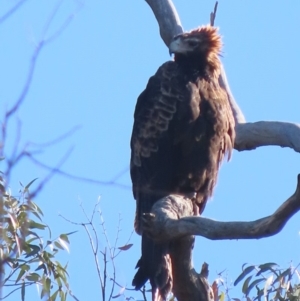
119, 174
50, 174
143, 291
112, 257
95, 256
213, 15
12, 10
57, 139
110, 252
43, 41
18, 288
66, 23
104, 274
122, 286
117, 236
126, 243
71, 294
94, 249
78, 178
27, 84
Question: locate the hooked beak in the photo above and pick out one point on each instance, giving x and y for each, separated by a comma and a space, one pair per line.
174, 46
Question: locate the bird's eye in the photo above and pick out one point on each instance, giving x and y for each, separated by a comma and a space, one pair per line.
193, 43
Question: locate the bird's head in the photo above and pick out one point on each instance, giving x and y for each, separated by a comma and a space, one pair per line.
201, 40
203, 43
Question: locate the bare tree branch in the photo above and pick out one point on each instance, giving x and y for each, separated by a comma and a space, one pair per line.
38, 48
187, 283
58, 171
167, 18
262, 133
213, 15
12, 10
169, 220
237, 112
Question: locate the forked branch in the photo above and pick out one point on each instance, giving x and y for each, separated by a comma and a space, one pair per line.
169, 221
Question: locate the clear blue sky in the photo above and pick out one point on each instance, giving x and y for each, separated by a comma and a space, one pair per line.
91, 75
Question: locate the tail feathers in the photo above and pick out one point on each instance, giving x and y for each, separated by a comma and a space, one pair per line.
155, 265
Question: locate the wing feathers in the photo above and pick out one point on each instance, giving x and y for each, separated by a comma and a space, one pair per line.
152, 118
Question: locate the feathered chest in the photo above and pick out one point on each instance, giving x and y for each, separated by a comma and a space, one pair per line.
183, 128
179, 112
172, 103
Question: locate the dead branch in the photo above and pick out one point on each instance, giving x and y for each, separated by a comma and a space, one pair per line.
262, 133
237, 112
213, 15
11, 11
167, 18
168, 220
187, 283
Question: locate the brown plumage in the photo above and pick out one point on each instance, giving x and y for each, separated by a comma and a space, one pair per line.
183, 128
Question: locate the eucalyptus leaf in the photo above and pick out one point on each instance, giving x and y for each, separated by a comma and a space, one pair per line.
245, 272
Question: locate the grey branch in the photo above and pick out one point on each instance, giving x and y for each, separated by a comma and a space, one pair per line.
169, 220
249, 135
262, 133
167, 18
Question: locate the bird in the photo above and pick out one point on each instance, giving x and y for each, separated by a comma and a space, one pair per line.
183, 129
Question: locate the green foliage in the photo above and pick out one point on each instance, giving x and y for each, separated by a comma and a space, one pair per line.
269, 282
26, 258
